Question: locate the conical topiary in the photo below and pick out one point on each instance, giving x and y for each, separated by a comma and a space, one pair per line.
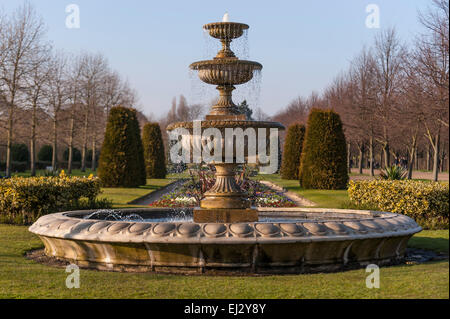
155, 160
292, 151
323, 164
121, 162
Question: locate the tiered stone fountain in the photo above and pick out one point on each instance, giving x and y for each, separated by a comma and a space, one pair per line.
225, 202
225, 234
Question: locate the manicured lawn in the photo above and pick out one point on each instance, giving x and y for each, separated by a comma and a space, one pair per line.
323, 198
436, 240
22, 278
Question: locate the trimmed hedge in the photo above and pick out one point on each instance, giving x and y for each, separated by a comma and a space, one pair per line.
292, 151
45, 153
121, 162
426, 202
19, 153
323, 164
154, 156
15, 167
24, 199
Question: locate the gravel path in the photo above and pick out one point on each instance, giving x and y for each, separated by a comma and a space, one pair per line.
416, 174
299, 200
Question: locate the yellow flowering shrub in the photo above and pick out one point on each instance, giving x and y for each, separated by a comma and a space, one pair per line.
425, 202
24, 199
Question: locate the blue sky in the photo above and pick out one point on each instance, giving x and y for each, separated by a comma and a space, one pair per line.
302, 45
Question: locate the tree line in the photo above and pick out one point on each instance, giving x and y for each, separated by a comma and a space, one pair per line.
49, 96
393, 99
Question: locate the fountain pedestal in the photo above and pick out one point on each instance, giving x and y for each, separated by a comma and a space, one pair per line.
225, 202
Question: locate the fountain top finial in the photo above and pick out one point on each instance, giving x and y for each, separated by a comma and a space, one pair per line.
226, 17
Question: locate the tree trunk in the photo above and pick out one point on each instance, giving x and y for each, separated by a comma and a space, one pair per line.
387, 159
55, 150
412, 153
361, 159
411, 161
83, 151
93, 153
69, 160
371, 156
349, 167
436, 157
416, 159
381, 159
428, 168
33, 143
9, 143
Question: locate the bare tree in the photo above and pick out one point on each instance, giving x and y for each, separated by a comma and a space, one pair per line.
411, 112
35, 93
432, 62
57, 95
94, 68
389, 58
74, 92
21, 38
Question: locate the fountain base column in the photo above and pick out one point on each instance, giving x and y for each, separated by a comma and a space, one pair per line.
225, 202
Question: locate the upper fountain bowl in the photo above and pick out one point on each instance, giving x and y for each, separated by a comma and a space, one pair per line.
225, 30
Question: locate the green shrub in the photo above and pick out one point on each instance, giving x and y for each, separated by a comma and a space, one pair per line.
121, 162
394, 172
24, 199
323, 163
45, 153
154, 156
426, 202
19, 153
292, 151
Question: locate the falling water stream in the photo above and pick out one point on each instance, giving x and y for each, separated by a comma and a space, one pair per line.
206, 94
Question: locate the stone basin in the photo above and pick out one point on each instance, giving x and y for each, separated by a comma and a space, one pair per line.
226, 71
284, 240
225, 30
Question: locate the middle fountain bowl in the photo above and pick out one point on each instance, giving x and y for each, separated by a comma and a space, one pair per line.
226, 71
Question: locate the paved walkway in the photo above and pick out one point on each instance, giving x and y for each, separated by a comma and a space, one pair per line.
416, 174
150, 198
297, 199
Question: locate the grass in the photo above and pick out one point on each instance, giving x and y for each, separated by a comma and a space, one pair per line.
323, 198
23, 278
436, 240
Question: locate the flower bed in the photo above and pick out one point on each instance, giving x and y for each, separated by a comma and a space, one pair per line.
188, 195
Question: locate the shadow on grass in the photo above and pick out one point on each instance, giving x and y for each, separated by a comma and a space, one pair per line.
438, 245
